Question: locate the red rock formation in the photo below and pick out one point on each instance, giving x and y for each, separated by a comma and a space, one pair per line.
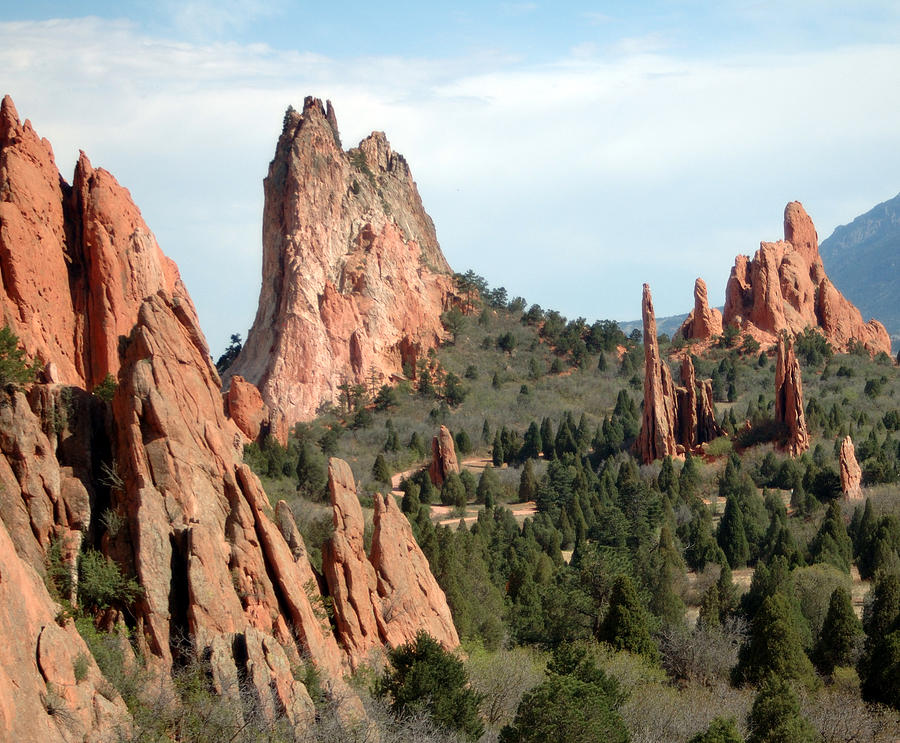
245, 406
411, 598
687, 405
353, 277
851, 475
703, 322
708, 427
443, 457
351, 578
659, 423
789, 398
76, 261
784, 288
389, 596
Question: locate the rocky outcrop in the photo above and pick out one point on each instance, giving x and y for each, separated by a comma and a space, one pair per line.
354, 281
77, 261
411, 598
245, 406
443, 457
851, 474
388, 596
703, 322
789, 399
785, 289
658, 423
675, 419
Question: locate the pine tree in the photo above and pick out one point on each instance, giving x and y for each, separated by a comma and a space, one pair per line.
485, 432
488, 486
533, 444
380, 470
453, 492
832, 544
626, 624
838, 638
775, 645
548, 439
732, 537
667, 480
879, 667
720, 730
776, 715
710, 611
527, 483
497, 453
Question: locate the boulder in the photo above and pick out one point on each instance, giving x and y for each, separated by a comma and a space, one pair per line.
245, 406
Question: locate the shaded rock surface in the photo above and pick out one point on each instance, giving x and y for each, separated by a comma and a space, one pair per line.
703, 322
443, 457
789, 398
851, 474
353, 278
784, 288
245, 406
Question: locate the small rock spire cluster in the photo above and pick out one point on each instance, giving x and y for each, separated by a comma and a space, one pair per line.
784, 288
789, 398
675, 419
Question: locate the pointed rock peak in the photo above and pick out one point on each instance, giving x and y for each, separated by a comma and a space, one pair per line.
800, 231
9, 118
649, 316
331, 118
851, 474
313, 106
83, 168
701, 298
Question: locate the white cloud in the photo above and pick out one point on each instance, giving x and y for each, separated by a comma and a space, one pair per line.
571, 183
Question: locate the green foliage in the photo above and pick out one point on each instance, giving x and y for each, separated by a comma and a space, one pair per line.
106, 389
626, 624
832, 544
453, 492
102, 585
231, 353
380, 470
312, 472
15, 371
879, 667
776, 715
80, 667
837, 643
720, 730
422, 676
565, 708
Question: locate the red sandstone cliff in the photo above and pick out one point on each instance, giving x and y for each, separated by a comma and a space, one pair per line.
353, 276
216, 565
784, 288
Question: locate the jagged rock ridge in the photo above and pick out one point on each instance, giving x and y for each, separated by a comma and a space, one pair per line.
354, 281
785, 288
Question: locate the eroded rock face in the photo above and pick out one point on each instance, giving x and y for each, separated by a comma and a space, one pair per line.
245, 406
411, 598
658, 425
851, 474
354, 281
785, 289
703, 322
443, 457
389, 596
789, 398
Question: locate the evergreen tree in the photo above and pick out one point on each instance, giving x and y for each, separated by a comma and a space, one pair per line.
775, 645
732, 537
776, 715
410, 503
626, 624
667, 575
879, 667
667, 480
380, 470
838, 638
720, 730
832, 544
312, 472
710, 610
488, 486
485, 432
533, 444
497, 453
527, 483
453, 492
601, 362
548, 439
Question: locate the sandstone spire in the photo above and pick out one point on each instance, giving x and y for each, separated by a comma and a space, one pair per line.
703, 322
851, 475
658, 425
354, 281
443, 457
789, 398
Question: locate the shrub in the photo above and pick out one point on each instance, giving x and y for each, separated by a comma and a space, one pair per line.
14, 369
101, 583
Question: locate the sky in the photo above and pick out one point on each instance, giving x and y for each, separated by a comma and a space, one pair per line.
569, 151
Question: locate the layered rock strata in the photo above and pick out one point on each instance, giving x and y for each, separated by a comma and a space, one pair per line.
851, 474
675, 420
386, 597
784, 289
354, 281
789, 398
443, 457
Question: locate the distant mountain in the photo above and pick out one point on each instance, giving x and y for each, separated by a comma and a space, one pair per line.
863, 260
667, 325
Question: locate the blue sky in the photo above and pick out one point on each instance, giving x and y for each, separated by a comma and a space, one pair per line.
569, 151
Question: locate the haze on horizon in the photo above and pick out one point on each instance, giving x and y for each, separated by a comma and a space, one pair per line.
567, 153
